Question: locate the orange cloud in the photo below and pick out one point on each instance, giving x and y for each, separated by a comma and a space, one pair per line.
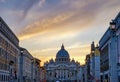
71, 14
52, 26
43, 25
76, 52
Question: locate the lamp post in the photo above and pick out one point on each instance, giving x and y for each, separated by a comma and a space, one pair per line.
112, 25
113, 53
113, 29
11, 71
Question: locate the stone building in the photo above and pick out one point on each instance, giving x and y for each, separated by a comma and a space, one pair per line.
87, 69
94, 63
42, 74
109, 46
91, 69
25, 66
9, 52
62, 69
83, 73
36, 70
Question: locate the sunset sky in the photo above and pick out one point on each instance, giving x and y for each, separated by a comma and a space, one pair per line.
43, 25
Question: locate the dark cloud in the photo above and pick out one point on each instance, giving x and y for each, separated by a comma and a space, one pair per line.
26, 5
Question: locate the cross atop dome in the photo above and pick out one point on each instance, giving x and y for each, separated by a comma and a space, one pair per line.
62, 47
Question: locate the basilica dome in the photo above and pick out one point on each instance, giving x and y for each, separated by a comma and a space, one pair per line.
62, 55
62, 69
62, 52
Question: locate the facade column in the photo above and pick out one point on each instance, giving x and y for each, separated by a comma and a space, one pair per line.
113, 53
57, 73
32, 79
63, 73
66, 74
21, 67
97, 65
113, 57
60, 73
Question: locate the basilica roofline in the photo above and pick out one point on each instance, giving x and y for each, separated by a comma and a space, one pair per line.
62, 57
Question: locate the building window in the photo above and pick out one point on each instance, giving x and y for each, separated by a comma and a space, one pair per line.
59, 59
2, 77
119, 79
65, 59
0, 23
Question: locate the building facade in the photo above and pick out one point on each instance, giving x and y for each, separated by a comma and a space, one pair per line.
42, 74
87, 69
91, 69
36, 70
62, 69
94, 63
83, 73
110, 52
25, 66
16, 63
9, 52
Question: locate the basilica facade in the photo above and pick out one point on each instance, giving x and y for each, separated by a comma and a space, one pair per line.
62, 69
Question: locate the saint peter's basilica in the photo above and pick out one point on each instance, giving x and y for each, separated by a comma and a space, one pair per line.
63, 69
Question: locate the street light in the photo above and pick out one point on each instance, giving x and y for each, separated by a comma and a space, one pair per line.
113, 28
112, 25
